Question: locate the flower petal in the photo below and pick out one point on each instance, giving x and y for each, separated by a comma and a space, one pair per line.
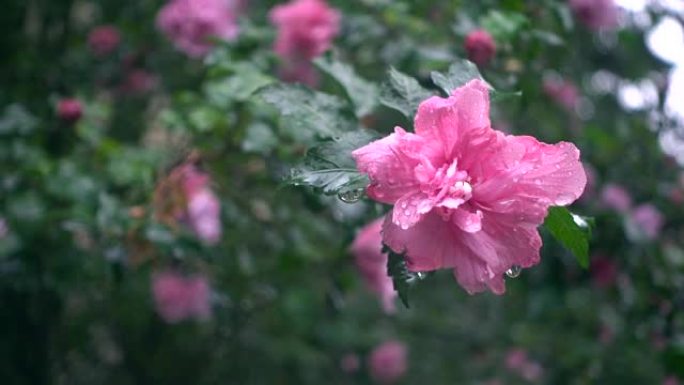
525, 176
479, 259
448, 120
390, 163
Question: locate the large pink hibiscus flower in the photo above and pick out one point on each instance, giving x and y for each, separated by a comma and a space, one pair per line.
466, 196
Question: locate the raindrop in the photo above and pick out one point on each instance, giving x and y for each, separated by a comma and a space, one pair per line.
351, 196
514, 271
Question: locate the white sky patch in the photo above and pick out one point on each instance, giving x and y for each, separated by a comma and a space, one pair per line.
632, 5
638, 96
666, 41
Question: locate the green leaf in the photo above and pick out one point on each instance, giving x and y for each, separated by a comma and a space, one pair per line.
311, 112
402, 277
572, 231
403, 93
244, 82
504, 26
363, 94
460, 73
330, 167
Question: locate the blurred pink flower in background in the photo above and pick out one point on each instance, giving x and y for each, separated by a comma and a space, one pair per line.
467, 197
372, 263
517, 361
388, 362
596, 14
104, 39
306, 29
616, 197
190, 24
603, 270
590, 189
350, 363
203, 206
69, 109
480, 47
648, 220
178, 297
562, 92
671, 380
138, 81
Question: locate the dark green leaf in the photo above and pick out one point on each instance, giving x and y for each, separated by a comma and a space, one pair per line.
363, 94
572, 231
305, 110
403, 93
330, 167
402, 277
246, 80
460, 73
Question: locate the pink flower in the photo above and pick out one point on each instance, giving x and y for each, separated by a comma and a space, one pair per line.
203, 211
69, 110
350, 363
138, 81
616, 197
516, 359
648, 220
595, 14
603, 270
562, 92
671, 380
178, 298
204, 214
372, 263
104, 39
306, 29
465, 196
480, 47
191, 23
388, 362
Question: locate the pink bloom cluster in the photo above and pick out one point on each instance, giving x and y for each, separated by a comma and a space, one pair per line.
191, 23
306, 29
103, 40
372, 263
388, 362
203, 207
467, 197
518, 362
480, 47
595, 14
644, 221
69, 110
350, 363
178, 297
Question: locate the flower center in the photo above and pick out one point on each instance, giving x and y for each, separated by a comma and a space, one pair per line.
447, 186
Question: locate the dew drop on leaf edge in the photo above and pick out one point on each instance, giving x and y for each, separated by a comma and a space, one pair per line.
351, 196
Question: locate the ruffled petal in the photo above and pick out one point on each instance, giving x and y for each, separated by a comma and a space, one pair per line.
390, 163
523, 176
479, 259
448, 120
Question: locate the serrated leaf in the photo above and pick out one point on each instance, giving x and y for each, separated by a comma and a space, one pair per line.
402, 277
362, 93
309, 111
459, 73
403, 93
572, 231
330, 167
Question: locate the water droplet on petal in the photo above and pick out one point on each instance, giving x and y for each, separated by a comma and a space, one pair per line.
351, 196
514, 271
